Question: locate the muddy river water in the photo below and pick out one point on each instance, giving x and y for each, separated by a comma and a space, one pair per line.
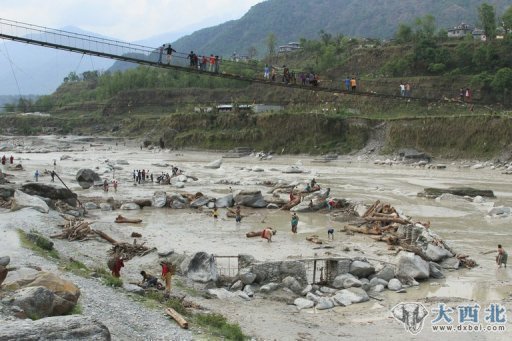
463, 225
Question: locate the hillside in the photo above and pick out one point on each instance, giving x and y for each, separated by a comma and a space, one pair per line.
291, 20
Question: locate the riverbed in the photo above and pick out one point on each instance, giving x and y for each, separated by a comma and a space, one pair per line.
462, 224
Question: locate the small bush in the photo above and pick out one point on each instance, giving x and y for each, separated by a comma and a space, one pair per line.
218, 324
107, 278
77, 268
38, 243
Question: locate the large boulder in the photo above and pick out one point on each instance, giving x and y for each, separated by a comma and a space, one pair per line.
202, 268
130, 206
226, 201
87, 178
277, 271
65, 290
451, 263
303, 303
36, 302
250, 199
73, 327
246, 276
412, 266
293, 170
349, 296
159, 199
436, 271
339, 281
214, 164
313, 202
22, 200
6, 191
3, 273
325, 303
5, 260
460, 191
50, 191
386, 273
361, 269
394, 284
44, 294
436, 253
292, 284
201, 201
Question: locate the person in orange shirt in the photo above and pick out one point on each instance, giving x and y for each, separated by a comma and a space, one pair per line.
353, 84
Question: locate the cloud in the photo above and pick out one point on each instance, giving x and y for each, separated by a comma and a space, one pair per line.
126, 19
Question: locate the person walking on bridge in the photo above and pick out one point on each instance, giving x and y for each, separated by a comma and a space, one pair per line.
353, 84
160, 53
169, 50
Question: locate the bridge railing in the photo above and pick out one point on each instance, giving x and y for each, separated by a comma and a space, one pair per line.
75, 40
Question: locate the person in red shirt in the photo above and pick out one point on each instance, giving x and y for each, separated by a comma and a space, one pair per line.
212, 63
11, 159
118, 264
167, 272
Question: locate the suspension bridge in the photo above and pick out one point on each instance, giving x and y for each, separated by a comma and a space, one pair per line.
150, 56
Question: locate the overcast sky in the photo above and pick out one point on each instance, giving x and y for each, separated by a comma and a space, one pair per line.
126, 19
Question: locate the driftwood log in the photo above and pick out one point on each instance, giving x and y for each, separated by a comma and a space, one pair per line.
123, 220
291, 204
177, 317
314, 239
253, 234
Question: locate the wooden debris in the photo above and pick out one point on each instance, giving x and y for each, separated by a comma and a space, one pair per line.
128, 251
177, 317
123, 220
253, 234
314, 239
75, 229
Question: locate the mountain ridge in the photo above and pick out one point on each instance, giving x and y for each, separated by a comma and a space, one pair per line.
291, 20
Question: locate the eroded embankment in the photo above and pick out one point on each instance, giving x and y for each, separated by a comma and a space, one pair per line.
316, 133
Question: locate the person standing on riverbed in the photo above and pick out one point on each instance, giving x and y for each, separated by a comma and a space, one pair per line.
294, 222
36, 175
501, 258
215, 212
167, 272
238, 214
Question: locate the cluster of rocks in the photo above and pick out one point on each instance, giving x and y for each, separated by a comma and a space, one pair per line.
41, 197
34, 302
349, 281
37, 294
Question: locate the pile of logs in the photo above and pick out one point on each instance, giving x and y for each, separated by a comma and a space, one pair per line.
378, 219
127, 251
382, 221
75, 229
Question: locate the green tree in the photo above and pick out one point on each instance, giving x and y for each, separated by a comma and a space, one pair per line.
502, 82
271, 44
487, 16
325, 37
252, 52
507, 20
404, 34
425, 27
